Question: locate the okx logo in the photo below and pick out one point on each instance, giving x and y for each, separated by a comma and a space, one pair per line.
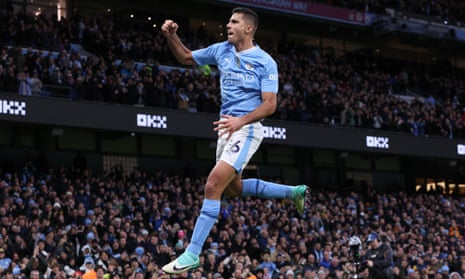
274, 132
460, 149
11, 107
377, 142
152, 121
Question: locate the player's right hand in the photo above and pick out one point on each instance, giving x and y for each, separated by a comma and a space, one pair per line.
169, 27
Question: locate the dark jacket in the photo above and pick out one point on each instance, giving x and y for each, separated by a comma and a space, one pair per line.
383, 262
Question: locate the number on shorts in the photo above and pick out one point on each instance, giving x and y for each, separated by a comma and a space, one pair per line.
235, 146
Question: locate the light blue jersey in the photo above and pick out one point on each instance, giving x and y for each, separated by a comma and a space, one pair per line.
243, 75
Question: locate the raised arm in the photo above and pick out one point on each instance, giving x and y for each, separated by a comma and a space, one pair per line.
179, 50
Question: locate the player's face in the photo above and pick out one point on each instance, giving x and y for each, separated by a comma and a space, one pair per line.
237, 28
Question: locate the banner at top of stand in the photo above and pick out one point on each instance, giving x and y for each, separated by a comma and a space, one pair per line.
309, 9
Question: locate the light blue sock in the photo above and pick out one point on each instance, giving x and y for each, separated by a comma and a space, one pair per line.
208, 215
263, 189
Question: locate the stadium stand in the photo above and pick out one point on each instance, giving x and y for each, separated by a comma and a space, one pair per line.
63, 222
129, 67
135, 223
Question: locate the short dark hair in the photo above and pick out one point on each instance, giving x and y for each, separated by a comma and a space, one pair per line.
248, 14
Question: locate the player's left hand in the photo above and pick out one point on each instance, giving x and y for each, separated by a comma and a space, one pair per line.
227, 125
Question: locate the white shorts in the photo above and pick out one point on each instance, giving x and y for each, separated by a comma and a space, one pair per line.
239, 149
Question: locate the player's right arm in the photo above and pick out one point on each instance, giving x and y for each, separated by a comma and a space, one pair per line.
179, 50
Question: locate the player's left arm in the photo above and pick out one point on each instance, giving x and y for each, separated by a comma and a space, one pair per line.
229, 124
269, 88
269, 84
265, 109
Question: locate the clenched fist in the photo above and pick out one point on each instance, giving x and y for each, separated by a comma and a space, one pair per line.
169, 27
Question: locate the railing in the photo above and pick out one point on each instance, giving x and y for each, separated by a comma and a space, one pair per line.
58, 91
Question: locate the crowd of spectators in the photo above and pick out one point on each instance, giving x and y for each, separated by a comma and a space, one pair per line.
452, 11
127, 67
72, 221
69, 222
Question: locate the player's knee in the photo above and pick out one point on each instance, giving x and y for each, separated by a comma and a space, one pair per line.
212, 190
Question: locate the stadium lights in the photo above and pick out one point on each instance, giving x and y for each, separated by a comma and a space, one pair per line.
59, 11
38, 12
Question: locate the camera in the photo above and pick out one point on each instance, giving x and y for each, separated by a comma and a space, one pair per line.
356, 263
355, 246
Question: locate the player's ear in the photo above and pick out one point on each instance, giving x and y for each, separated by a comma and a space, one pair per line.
248, 28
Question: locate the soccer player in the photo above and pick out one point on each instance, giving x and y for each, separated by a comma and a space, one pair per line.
249, 85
